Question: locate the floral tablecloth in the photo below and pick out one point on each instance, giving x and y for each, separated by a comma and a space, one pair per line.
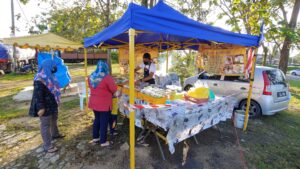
183, 119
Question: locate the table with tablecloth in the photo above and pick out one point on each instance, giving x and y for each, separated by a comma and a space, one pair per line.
182, 119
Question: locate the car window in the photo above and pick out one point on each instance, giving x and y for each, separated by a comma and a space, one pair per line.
208, 76
276, 77
236, 79
231, 78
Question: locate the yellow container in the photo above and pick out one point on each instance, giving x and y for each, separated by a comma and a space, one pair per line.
199, 93
152, 100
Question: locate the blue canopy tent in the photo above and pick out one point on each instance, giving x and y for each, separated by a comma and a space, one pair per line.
164, 28
164, 24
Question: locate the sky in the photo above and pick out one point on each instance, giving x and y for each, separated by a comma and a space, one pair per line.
32, 9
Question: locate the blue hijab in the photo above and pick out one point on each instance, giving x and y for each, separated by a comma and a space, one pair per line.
48, 78
98, 75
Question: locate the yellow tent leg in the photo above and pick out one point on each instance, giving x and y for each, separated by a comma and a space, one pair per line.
86, 82
250, 91
131, 97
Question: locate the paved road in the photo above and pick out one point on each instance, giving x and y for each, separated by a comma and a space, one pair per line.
292, 77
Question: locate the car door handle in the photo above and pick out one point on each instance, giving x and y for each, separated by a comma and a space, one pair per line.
243, 88
215, 84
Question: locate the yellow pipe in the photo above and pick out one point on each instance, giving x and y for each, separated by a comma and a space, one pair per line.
250, 90
86, 82
131, 98
161, 136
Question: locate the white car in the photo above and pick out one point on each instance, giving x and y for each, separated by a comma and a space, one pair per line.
270, 92
295, 72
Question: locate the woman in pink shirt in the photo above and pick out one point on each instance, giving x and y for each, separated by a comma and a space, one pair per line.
102, 88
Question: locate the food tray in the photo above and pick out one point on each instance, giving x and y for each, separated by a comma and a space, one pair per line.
194, 100
152, 100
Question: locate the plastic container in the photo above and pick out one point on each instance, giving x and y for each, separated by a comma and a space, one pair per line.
239, 117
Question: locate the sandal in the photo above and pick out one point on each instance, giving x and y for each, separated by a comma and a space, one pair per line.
105, 144
95, 141
58, 137
51, 150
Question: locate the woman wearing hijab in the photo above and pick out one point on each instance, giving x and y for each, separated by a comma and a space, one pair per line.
45, 101
102, 87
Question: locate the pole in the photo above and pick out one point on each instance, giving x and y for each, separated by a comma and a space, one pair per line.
86, 81
13, 33
12, 18
109, 60
131, 97
250, 90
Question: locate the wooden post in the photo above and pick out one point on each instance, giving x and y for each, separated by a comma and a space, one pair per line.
250, 90
131, 98
86, 81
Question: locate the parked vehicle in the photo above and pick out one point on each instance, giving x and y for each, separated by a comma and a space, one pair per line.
270, 90
295, 72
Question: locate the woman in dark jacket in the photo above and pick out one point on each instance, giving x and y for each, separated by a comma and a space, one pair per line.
45, 101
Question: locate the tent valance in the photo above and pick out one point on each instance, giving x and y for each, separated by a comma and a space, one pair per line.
164, 24
42, 41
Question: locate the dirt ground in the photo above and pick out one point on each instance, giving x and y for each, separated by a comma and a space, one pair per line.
20, 145
270, 142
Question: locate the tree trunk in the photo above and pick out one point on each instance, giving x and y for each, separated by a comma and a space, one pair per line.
285, 51
265, 55
151, 3
107, 24
107, 13
145, 3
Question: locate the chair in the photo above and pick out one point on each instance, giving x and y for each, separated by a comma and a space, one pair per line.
82, 93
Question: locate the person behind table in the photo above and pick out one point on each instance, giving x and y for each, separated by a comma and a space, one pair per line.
102, 87
44, 104
149, 69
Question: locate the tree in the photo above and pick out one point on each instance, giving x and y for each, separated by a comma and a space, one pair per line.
183, 63
194, 9
243, 16
148, 3
289, 38
81, 19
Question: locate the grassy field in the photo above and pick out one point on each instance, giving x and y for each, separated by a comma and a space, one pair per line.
276, 142
289, 67
16, 77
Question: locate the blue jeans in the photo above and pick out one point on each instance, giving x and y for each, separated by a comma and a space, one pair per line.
100, 125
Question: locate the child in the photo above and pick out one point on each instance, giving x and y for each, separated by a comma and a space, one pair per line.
113, 116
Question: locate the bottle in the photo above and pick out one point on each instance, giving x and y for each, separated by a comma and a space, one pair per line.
168, 101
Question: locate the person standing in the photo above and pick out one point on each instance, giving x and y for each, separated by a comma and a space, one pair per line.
45, 102
149, 69
102, 87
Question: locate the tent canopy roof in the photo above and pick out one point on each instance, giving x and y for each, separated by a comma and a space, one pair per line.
3, 52
162, 26
42, 41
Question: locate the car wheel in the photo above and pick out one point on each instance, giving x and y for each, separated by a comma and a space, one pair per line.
187, 87
294, 74
255, 110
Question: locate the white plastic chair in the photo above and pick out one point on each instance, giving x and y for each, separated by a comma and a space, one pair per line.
82, 93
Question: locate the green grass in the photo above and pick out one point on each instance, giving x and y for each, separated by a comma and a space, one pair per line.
294, 86
16, 77
277, 141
